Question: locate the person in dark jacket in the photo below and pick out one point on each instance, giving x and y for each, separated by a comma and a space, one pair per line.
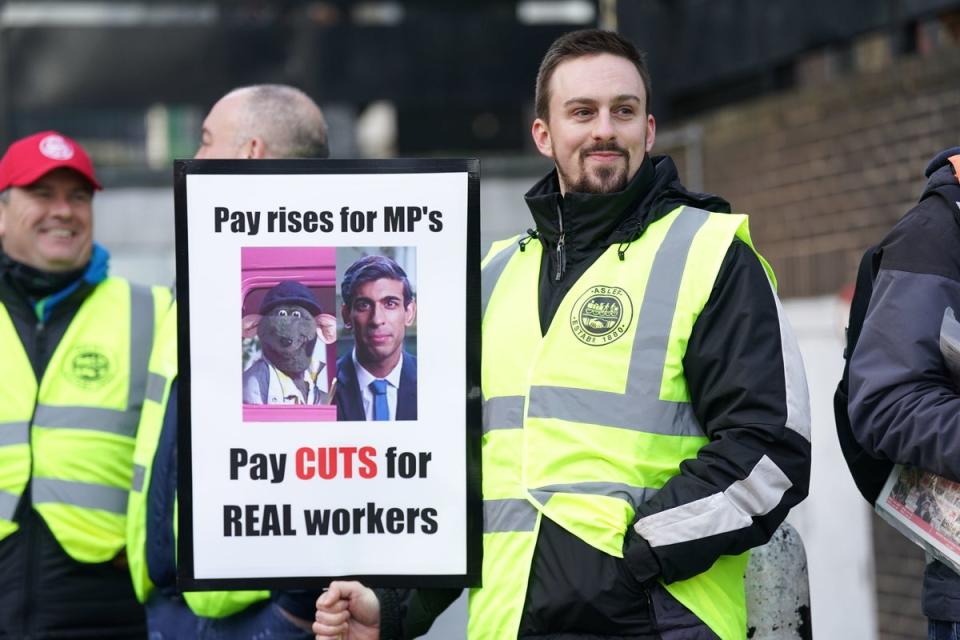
904, 402
249, 123
75, 344
740, 364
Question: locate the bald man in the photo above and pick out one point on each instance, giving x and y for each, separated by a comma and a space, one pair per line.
256, 122
264, 121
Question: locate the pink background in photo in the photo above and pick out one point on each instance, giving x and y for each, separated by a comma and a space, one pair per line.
315, 267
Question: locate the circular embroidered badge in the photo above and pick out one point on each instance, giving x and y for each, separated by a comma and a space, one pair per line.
601, 315
56, 148
88, 366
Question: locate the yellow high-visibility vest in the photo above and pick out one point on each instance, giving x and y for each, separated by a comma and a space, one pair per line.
163, 369
587, 422
71, 435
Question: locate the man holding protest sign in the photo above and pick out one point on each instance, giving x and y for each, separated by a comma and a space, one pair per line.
261, 121
646, 417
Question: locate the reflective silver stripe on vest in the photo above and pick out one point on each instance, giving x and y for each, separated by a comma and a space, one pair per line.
139, 473
505, 412
611, 409
79, 494
141, 342
511, 514
491, 274
629, 493
14, 433
639, 408
122, 423
156, 385
8, 505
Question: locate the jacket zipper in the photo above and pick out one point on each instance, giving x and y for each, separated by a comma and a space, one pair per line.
653, 614
561, 249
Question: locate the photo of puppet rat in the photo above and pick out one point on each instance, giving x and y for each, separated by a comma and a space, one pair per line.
293, 336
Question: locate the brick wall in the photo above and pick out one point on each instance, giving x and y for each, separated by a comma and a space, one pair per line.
899, 565
826, 171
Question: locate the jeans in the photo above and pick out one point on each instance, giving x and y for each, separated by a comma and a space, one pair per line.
172, 619
943, 630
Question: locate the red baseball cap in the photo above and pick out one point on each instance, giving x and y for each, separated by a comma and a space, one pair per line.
29, 159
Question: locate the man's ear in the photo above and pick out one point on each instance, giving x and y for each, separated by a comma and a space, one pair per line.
410, 313
326, 327
541, 137
253, 149
345, 314
651, 131
250, 324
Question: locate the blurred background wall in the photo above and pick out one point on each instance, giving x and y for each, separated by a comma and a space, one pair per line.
817, 118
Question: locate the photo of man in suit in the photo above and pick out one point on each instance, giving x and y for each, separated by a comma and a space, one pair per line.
378, 379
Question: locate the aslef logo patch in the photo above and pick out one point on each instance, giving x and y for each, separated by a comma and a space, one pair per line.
56, 148
601, 315
89, 366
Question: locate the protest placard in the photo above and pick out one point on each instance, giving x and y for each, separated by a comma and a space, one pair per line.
328, 372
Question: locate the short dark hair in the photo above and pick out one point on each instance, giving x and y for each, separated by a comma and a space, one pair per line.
368, 269
586, 42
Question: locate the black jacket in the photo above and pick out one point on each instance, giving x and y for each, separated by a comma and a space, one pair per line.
44, 593
747, 391
904, 405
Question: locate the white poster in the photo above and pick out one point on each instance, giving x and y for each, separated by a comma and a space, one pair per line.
329, 403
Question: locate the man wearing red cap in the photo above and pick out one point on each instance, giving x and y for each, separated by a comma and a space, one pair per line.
34, 172
76, 345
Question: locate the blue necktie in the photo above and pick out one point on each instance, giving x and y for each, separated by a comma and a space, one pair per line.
380, 409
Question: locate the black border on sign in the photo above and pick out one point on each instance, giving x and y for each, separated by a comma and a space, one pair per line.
186, 580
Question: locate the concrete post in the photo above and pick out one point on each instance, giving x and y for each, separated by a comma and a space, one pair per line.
778, 589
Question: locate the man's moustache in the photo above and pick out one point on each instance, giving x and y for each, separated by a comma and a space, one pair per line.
604, 148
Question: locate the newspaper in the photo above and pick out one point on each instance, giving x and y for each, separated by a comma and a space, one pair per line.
923, 506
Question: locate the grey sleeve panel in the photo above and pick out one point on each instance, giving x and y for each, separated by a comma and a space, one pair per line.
903, 404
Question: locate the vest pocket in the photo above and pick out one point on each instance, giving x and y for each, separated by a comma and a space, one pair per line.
575, 588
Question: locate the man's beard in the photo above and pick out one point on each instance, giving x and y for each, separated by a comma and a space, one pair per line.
603, 179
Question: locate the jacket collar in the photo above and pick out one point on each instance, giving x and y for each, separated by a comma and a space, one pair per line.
587, 220
594, 221
45, 290
940, 171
